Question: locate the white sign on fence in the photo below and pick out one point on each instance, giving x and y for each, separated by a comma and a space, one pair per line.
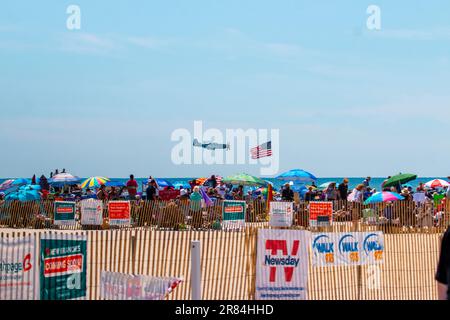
281, 214
347, 249
120, 286
18, 270
92, 212
282, 264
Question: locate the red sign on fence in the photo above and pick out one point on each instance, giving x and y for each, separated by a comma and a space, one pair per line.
320, 214
119, 212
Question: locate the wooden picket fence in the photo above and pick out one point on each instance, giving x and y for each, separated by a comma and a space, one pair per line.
228, 263
404, 216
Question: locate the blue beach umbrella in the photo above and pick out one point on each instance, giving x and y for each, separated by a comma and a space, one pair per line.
21, 181
25, 193
181, 184
162, 183
114, 183
297, 175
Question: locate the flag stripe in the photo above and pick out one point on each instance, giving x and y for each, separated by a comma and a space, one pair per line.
264, 150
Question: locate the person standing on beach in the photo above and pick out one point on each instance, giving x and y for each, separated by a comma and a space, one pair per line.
366, 182
287, 194
102, 194
212, 182
343, 190
331, 193
151, 191
221, 190
132, 187
443, 270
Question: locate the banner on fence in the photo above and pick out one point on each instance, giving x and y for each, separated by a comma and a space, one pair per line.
63, 266
282, 264
120, 286
233, 213
92, 212
119, 213
281, 214
18, 268
320, 214
347, 249
64, 213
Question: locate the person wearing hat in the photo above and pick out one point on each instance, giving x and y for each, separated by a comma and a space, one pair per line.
405, 193
287, 194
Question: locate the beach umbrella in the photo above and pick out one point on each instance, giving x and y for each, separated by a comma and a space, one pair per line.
6, 185
437, 183
94, 182
202, 181
384, 197
62, 179
399, 179
115, 183
299, 188
25, 193
20, 181
163, 183
181, 184
327, 184
245, 179
297, 175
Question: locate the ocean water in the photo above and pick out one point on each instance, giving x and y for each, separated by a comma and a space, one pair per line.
353, 182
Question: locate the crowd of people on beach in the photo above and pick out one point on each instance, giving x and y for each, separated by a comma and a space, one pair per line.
216, 189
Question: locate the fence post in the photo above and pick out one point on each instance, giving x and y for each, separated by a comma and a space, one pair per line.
133, 252
196, 271
355, 223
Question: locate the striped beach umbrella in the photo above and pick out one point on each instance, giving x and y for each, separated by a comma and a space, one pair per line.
6, 185
384, 197
94, 182
437, 183
62, 179
202, 181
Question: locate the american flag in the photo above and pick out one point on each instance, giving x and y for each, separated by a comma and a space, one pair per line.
264, 150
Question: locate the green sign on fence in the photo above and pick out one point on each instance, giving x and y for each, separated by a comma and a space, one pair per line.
63, 267
64, 213
233, 213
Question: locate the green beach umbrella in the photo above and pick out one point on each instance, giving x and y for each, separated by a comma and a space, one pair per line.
245, 180
400, 179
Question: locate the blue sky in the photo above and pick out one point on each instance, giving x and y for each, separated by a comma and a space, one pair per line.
105, 99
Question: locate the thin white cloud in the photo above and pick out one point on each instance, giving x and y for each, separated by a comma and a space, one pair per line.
149, 42
86, 43
413, 34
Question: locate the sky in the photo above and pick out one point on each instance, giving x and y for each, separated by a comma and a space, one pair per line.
105, 99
